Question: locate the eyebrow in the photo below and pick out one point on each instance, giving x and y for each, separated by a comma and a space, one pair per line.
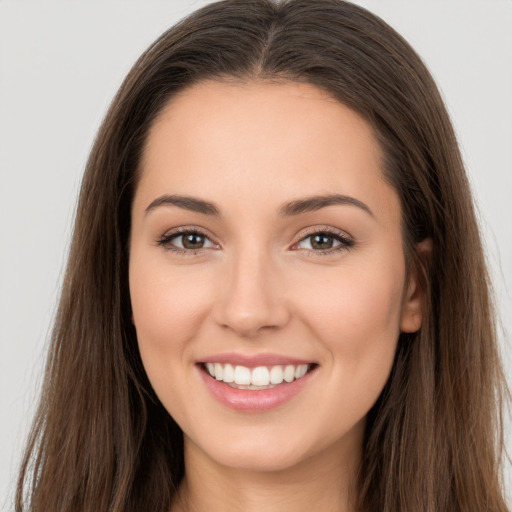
296, 207
186, 202
313, 203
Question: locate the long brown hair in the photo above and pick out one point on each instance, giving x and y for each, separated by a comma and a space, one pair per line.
103, 441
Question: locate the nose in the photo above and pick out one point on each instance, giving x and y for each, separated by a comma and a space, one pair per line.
252, 298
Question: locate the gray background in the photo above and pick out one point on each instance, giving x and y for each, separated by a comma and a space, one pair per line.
60, 65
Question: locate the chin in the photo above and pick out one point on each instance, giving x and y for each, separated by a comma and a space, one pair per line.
273, 448
258, 457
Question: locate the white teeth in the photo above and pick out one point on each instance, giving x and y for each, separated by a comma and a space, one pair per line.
260, 376
301, 370
229, 373
289, 373
257, 378
218, 371
276, 375
242, 375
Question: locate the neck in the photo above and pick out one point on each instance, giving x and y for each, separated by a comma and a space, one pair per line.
323, 482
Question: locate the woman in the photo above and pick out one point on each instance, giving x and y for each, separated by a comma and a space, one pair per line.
276, 295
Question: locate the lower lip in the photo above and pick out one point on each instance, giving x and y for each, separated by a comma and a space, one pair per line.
254, 400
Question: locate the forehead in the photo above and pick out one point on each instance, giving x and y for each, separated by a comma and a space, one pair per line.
259, 142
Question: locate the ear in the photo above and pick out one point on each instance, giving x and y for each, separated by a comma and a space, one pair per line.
414, 294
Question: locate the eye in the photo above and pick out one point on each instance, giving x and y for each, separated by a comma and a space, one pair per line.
186, 241
324, 241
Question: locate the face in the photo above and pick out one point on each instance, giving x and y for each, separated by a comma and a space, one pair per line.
266, 249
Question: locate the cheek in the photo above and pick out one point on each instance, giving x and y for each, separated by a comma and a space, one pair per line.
356, 304
166, 306
357, 317
168, 310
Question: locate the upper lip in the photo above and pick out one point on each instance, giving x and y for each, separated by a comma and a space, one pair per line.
252, 361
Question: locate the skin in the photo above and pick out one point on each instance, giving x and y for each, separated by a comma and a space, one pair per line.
258, 286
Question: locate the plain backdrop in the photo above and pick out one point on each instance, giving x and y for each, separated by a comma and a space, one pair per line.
60, 65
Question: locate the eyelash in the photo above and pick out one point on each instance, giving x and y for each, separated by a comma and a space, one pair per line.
165, 241
346, 243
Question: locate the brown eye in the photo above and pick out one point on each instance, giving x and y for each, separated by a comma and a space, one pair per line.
185, 241
193, 241
322, 242
325, 242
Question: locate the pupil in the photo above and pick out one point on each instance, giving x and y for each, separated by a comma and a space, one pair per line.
193, 241
322, 242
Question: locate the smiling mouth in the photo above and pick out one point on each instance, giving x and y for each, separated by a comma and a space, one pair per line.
258, 378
